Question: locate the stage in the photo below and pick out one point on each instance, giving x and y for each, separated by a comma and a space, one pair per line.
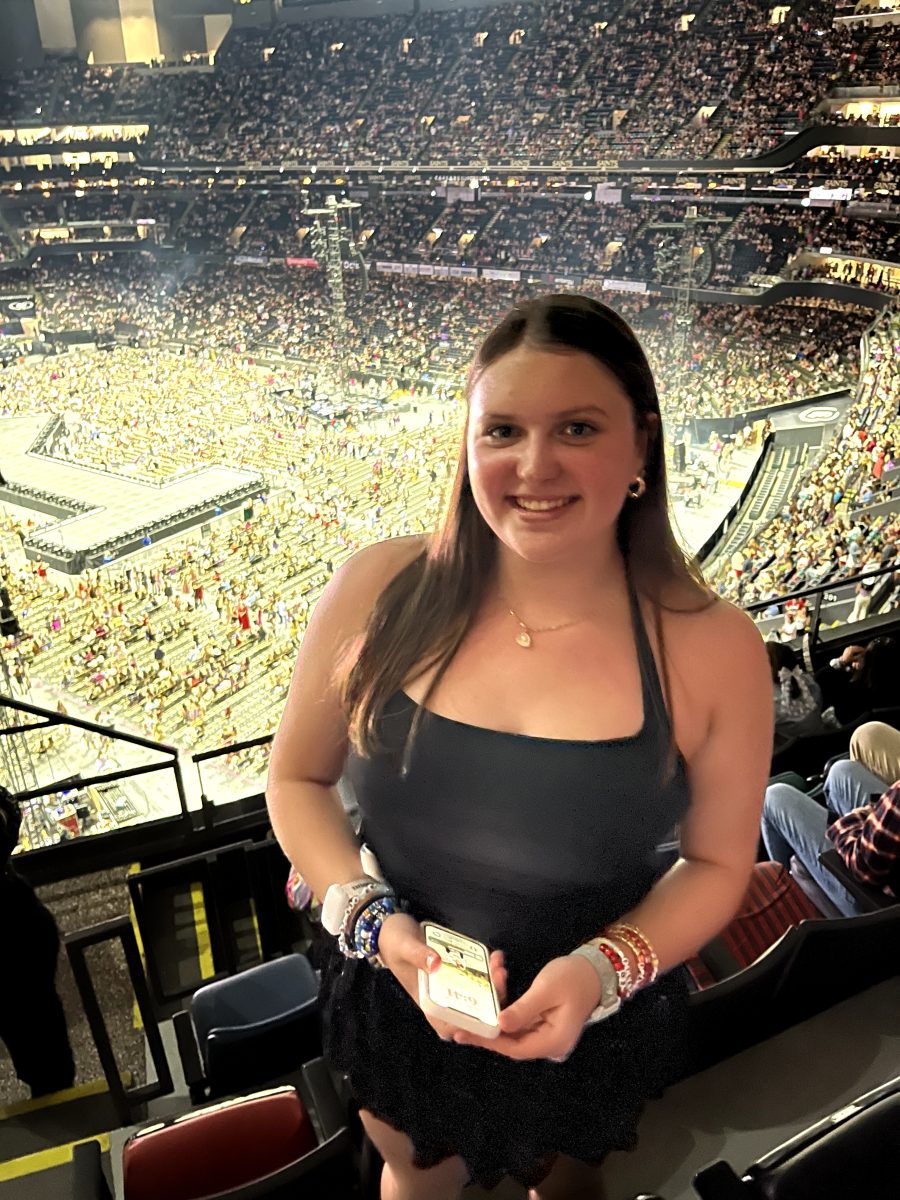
88, 509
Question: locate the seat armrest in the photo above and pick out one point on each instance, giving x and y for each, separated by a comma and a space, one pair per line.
870, 899
326, 1104
718, 959
189, 1054
719, 1182
88, 1180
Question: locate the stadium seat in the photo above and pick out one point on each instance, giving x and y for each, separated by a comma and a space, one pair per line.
852, 1154
258, 1147
735, 1013
807, 755
251, 1029
792, 982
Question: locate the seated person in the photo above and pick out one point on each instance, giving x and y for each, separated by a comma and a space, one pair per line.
862, 679
797, 696
867, 831
877, 747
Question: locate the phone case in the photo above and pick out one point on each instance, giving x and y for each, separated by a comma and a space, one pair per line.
461, 991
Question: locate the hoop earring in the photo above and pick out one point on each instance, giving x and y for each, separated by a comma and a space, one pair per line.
637, 487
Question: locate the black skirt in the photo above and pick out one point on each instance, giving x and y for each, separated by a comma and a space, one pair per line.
500, 1115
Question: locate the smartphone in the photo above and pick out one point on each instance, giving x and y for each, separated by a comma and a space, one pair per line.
461, 991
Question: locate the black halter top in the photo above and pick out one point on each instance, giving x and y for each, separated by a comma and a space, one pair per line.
529, 844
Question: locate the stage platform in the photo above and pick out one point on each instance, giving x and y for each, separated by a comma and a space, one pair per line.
119, 508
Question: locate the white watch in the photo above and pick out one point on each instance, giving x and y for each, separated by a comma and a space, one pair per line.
338, 899
610, 1000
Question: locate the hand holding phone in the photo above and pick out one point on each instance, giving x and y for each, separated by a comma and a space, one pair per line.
461, 991
403, 951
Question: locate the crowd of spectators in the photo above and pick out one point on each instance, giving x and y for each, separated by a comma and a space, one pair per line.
569, 80
194, 644
824, 534
740, 359
414, 332
639, 238
176, 642
792, 66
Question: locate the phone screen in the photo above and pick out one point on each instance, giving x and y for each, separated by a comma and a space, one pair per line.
463, 980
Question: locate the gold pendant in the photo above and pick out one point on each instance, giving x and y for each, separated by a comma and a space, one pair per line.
524, 639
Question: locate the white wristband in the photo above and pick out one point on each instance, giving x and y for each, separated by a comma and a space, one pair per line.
610, 1001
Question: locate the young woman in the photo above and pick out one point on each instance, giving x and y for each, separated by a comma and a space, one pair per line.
527, 704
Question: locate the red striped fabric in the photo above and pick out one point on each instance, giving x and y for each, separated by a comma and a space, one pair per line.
773, 904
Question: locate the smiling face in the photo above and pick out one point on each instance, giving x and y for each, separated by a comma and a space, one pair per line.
552, 446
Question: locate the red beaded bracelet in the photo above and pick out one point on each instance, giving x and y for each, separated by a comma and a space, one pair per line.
619, 962
638, 942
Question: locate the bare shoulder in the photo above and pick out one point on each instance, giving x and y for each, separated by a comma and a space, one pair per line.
379, 563
715, 646
355, 587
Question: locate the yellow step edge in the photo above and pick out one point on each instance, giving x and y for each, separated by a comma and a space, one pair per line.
136, 1020
80, 1091
204, 946
44, 1160
256, 928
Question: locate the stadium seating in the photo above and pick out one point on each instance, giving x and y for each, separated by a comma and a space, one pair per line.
251, 1028
263, 1145
853, 1152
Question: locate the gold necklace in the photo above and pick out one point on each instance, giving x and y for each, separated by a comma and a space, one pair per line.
526, 635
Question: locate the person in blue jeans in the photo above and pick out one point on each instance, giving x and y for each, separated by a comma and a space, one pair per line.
794, 823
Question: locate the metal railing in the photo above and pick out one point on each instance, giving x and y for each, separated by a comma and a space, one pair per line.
819, 591
128, 1102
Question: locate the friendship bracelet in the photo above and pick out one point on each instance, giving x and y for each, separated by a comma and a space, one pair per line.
651, 956
623, 971
367, 926
358, 902
641, 959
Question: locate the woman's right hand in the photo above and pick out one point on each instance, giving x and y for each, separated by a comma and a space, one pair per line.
403, 950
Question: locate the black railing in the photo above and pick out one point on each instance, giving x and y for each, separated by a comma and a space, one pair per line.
734, 512
208, 807
819, 591
239, 914
129, 1102
94, 851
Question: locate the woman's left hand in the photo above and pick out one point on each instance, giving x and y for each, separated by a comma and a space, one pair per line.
547, 1022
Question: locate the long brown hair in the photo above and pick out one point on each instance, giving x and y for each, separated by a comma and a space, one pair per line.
422, 616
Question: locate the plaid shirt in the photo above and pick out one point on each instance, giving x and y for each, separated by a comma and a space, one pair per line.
868, 839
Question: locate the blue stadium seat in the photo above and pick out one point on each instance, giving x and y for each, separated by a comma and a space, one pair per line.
251, 1029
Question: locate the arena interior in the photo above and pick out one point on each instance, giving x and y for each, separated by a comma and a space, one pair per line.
247, 250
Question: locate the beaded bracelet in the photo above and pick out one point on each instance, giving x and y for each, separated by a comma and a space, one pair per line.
368, 923
374, 891
648, 960
643, 963
623, 971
